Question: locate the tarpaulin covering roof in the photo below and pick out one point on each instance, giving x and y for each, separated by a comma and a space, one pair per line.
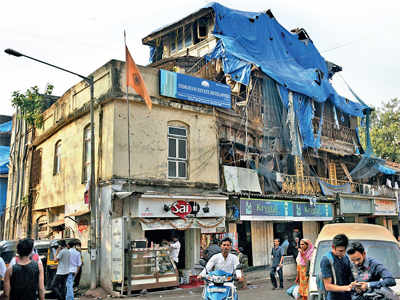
4, 159
3, 195
6, 127
256, 38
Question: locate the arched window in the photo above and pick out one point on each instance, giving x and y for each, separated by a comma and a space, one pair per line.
177, 151
57, 158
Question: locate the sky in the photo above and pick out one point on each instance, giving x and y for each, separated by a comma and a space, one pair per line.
360, 36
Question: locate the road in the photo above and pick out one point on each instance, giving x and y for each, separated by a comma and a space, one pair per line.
256, 291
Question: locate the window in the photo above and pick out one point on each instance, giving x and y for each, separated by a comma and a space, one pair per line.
188, 35
86, 154
57, 158
180, 38
172, 40
177, 152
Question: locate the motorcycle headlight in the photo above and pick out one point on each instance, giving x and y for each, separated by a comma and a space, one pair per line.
218, 279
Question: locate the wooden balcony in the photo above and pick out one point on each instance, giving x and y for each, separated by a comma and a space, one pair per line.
329, 130
309, 185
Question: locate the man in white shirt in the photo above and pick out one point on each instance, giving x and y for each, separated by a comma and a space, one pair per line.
224, 261
75, 263
60, 280
175, 248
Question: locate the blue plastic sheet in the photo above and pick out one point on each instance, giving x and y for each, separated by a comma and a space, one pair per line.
6, 127
4, 159
254, 38
3, 195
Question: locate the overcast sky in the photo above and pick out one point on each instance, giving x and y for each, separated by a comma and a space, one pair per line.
360, 36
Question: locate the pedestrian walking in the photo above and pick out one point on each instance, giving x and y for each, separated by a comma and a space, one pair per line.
59, 282
75, 263
77, 279
303, 266
277, 264
25, 279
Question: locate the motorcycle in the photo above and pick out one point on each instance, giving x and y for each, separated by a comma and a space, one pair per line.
219, 286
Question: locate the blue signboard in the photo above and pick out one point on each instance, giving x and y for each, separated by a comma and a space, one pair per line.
179, 86
252, 209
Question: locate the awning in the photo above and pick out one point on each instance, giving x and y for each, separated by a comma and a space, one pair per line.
56, 223
207, 225
241, 179
79, 213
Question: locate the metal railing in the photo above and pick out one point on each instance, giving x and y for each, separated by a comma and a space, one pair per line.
309, 185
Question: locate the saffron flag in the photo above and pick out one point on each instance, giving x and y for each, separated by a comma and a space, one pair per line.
135, 80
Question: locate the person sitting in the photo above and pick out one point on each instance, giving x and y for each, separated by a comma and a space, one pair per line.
367, 271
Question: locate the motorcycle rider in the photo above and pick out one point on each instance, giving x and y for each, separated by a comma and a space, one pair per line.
224, 261
367, 271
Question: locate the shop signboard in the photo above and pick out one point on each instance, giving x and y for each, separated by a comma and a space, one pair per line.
317, 211
184, 87
182, 207
385, 207
356, 206
259, 210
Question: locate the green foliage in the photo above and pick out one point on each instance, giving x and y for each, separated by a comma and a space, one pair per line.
31, 104
385, 130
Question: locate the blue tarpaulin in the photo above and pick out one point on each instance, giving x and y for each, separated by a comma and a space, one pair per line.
3, 195
6, 127
4, 159
255, 38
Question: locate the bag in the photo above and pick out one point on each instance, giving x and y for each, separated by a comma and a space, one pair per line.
293, 291
322, 293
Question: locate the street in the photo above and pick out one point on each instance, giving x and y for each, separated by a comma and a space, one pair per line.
259, 290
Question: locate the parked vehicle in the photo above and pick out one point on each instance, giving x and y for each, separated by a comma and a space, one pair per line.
219, 286
377, 241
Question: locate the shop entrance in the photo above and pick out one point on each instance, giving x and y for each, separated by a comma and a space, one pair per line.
288, 231
158, 236
244, 238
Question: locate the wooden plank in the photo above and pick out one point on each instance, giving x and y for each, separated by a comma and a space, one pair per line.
346, 171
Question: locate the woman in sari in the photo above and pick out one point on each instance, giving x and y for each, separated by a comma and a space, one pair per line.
303, 265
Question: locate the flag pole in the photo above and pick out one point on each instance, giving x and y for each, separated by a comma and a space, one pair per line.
129, 129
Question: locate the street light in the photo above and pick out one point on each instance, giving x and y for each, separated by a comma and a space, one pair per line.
92, 186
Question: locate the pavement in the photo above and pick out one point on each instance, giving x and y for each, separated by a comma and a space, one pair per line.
259, 287
255, 291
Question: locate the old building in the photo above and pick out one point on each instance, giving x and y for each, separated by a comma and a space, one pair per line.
290, 154
5, 137
246, 138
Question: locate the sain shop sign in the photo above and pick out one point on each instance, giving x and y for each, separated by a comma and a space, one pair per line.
173, 207
385, 207
261, 210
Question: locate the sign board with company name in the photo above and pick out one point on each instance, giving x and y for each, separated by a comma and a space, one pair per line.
265, 209
170, 207
356, 206
190, 88
385, 207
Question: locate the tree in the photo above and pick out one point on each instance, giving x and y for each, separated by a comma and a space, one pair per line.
385, 130
32, 104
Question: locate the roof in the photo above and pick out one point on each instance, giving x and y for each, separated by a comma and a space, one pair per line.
356, 231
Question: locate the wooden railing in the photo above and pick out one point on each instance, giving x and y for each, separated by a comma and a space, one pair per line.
309, 185
330, 130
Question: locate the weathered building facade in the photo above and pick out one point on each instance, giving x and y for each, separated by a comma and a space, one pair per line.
290, 158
